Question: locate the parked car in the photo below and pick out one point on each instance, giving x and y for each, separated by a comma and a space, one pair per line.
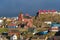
5, 33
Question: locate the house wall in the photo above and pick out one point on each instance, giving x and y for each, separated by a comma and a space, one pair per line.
55, 29
10, 33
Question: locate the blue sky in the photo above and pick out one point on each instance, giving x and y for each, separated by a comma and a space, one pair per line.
12, 7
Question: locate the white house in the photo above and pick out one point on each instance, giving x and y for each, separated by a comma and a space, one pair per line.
14, 37
54, 29
48, 22
1, 21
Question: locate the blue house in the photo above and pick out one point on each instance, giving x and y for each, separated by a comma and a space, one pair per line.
11, 26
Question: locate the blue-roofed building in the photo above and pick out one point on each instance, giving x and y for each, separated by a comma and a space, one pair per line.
55, 25
42, 33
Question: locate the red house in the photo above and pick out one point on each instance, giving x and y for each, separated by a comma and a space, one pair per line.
12, 26
27, 19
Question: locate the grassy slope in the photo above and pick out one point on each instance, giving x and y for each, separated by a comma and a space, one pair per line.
3, 30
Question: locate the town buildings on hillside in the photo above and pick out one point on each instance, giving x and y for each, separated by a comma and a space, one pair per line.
26, 22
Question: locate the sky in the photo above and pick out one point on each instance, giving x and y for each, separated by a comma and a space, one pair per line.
10, 8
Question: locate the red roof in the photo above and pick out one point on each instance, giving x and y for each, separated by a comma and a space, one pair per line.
44, 11
27, 14
49, 10
53, 10
11, 24
54, 29
40, 11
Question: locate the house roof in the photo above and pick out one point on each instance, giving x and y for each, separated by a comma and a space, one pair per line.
53, 10
26, 14
54, 25
46, 11
11, 24
42, 33
28, 17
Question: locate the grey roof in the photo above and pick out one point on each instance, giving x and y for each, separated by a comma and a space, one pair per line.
28, 17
